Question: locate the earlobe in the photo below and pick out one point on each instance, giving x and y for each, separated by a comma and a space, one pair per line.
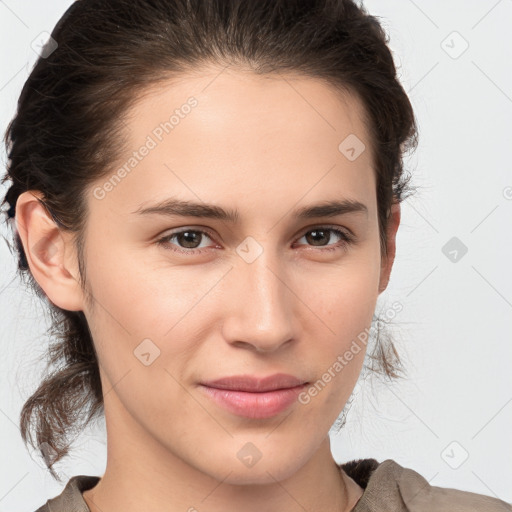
388, 260
46, 248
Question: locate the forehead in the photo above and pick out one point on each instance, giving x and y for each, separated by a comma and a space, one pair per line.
239, 100
232, 134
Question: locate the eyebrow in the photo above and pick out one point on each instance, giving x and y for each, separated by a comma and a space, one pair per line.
176, 207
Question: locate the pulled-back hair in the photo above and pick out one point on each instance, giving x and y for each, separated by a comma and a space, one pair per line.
68, 132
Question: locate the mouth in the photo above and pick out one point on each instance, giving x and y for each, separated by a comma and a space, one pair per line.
254, 397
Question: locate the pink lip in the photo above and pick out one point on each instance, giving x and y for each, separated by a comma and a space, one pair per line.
255, 397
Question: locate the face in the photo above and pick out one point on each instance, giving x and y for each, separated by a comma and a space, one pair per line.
181, 297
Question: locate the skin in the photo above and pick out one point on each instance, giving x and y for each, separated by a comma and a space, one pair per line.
264, 146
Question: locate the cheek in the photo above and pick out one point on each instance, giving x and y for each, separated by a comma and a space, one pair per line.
137, 327
145, 320
142, 298
344, 295
344, 304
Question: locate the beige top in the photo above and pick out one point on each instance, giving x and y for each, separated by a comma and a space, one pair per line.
388, 487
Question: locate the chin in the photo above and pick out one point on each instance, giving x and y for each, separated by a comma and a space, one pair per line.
248, 467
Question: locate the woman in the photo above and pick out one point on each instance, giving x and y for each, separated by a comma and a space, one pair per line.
272, 133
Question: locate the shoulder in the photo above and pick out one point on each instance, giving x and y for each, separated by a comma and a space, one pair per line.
71, 496
390, 486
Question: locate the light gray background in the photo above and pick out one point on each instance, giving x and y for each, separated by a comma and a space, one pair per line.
455, 329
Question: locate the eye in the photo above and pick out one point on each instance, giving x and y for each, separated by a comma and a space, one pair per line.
317, 234
188, 237
188, 241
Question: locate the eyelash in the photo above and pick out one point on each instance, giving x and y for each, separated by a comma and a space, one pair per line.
347, 239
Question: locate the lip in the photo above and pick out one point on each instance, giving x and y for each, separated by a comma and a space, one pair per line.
254, 397
255, 384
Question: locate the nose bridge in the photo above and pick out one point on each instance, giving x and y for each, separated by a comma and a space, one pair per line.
262, 312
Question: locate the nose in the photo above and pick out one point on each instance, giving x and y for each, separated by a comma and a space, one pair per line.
261, 309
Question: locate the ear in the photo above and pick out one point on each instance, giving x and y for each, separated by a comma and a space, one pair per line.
50, 254
387, 261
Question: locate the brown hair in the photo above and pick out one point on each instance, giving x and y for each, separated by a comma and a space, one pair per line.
67, 132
